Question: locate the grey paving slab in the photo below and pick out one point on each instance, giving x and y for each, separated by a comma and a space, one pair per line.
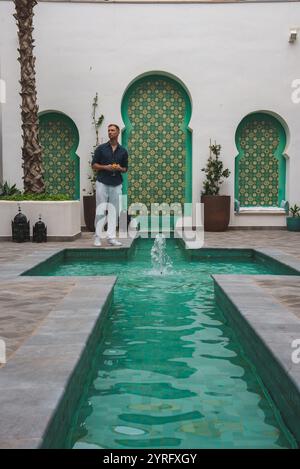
21, 443
285, 290
35, 382
54, 338
267, 330
24, 305
34, 370
27, 412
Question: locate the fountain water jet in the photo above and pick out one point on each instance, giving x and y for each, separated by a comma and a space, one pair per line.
161, 262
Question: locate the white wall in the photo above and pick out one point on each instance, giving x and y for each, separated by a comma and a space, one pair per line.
233, 59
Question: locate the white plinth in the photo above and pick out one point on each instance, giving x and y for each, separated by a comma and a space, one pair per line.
62, 218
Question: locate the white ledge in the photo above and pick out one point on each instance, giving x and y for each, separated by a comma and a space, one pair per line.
62, 217
261, 211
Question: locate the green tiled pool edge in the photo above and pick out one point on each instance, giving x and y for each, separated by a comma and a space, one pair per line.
240, 300
82, 253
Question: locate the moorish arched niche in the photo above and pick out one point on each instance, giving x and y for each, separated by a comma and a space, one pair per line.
156, 110
260, 166
59, 138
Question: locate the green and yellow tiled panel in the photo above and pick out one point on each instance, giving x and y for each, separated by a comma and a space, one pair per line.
260, 165
59, 139
156, 111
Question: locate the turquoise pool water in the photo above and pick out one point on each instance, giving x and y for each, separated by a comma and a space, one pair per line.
169, 372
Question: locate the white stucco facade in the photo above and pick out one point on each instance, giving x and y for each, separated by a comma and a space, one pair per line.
233, 59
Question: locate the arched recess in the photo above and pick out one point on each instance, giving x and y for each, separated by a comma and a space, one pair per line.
59, 138
260, 166
156, 110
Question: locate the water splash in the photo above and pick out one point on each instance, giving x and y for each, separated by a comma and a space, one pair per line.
161, 262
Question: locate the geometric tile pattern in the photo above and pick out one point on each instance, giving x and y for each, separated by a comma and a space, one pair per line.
156, 143
258, 166
59, 142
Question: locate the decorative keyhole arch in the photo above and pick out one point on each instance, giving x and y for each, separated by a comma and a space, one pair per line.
59, 138
260, 166
156, 110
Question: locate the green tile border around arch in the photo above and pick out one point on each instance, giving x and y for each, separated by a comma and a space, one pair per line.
188, 133
50, 115
279, 153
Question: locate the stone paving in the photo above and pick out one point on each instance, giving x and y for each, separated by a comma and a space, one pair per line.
25, 302
286, 241
284, 290
41, 385
267, 330
24, 305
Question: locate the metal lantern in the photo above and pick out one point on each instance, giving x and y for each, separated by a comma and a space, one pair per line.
39, 234
20, 228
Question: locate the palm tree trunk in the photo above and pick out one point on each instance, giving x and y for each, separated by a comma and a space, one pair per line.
31, 150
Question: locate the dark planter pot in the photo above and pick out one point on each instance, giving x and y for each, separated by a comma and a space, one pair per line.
216, 212
89, 208
293, 223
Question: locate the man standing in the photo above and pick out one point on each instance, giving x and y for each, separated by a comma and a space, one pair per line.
110, 160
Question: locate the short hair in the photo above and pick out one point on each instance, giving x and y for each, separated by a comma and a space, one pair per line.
114, 125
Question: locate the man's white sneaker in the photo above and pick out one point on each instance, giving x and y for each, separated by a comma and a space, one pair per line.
114, 242
97, 242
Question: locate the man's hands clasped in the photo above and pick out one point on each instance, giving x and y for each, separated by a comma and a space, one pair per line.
114, 167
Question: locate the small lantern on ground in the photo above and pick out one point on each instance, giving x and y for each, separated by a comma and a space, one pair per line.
39, 234
20, 228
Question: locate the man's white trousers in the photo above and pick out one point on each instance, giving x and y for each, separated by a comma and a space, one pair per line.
107, 198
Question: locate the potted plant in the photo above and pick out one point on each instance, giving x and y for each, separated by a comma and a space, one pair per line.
216, 207
293, 222
6, 190
89, 204
59, 211
89, 200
